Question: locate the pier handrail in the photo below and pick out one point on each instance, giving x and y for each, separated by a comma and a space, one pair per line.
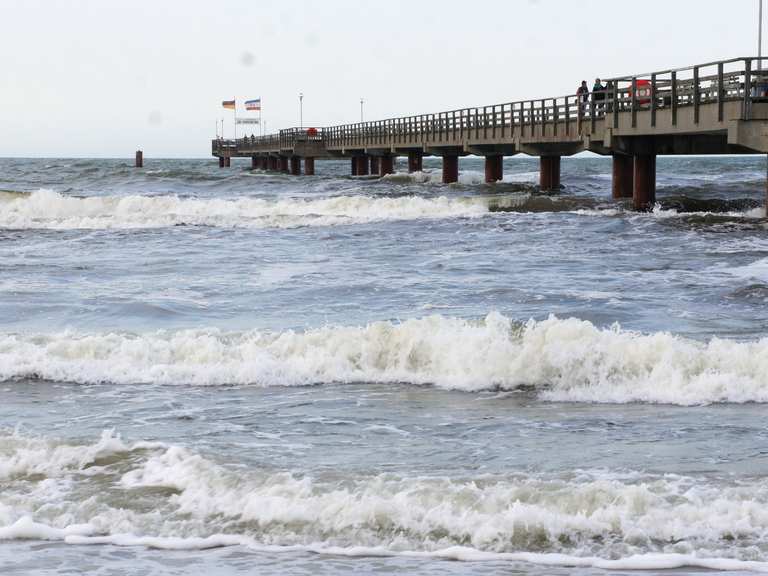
667, 89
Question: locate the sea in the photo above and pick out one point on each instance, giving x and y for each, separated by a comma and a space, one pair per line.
228, 371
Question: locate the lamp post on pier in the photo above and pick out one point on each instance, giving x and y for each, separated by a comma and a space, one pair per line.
301, 110
361, 109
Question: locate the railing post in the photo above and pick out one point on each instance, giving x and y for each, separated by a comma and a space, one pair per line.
556, 116
634, 102
720, 92
695, 94
747, 111
532, 119
522, 119
567, 115
543, 117
493, 128
674, 99
592, 107
654, 103
615, 104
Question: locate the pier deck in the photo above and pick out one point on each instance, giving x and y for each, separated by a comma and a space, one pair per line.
713, 108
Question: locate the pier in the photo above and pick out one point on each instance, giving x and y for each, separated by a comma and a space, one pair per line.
713, 108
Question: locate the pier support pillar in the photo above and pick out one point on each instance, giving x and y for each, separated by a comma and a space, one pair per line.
296, 165
309, 166
549, 173
284, 164
354, 166
644, 190
227, 161
450, 168
254, 162
494, 168
221, 161
374, 164
387, 165
139, 159
415, 163
362, 165
623, 176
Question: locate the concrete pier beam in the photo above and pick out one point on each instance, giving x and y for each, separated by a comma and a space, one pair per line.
387, 165
494, 168
362, 165
644, 189
309, 166
139, 159
415, 161
374, 164
296, 165
622, 182
450, 168
221, 161
549, 173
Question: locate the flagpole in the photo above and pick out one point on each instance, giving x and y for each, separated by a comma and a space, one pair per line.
234, 115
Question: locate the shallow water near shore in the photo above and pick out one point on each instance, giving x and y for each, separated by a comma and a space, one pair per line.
208, 371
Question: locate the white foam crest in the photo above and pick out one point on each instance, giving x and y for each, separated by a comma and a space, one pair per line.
50, 210
565, 359
24, 456
185, 501
466, 177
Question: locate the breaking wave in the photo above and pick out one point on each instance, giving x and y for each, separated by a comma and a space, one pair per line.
168, 497
50, 210
560, 359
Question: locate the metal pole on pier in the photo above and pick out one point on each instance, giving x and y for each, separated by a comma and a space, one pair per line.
301, 110
760, 37
361, 110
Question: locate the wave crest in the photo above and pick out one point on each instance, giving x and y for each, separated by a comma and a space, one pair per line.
46, 209
562, 359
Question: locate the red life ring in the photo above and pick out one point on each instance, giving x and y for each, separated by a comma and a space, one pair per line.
643, 92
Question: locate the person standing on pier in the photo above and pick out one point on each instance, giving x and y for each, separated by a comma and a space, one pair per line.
582, 96
598, 95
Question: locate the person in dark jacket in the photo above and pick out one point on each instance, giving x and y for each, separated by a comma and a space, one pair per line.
582, 97
598, 95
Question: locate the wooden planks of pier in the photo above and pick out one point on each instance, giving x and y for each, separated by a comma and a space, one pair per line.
712, 108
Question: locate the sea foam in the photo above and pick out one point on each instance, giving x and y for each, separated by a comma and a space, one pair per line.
561, 359
46, 209
170, 497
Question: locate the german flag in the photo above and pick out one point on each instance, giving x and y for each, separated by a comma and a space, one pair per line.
228, 104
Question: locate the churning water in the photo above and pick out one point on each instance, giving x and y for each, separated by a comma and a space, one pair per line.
208, 371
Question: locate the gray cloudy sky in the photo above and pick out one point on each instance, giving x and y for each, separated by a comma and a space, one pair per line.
103, 78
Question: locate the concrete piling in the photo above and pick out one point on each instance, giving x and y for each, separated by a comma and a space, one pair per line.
415, 161
549, 173
387, 165
450, 168
309, 166
644, 189
296, 165
494, 168
623, 176
362, 165
139, 159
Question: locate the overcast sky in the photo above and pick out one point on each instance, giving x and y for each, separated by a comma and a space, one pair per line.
104, 78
